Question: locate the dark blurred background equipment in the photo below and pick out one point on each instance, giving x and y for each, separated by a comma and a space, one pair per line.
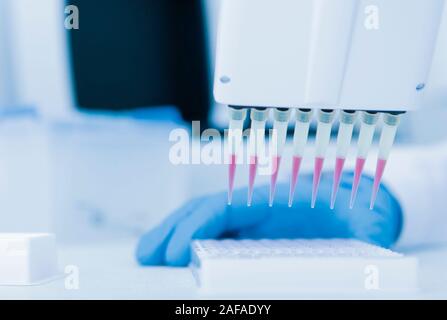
141, 53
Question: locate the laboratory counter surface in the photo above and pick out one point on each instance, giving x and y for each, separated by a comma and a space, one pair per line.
109, 271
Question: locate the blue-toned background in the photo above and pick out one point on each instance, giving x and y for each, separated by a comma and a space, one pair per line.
84, 133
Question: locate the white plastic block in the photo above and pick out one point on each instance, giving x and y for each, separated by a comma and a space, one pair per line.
285, 266
27, 259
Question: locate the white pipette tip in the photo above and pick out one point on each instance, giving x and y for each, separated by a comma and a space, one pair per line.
302, 124
250, 197
389, 130
352, 201
360, 164
339, 164
276, 163
251, 180
332, 207
237, 117
294, 179
369, 121
231, 176
319, 162
381, 165
325, 120
296, 164
347, 120
281, 120
258, 117
271, 198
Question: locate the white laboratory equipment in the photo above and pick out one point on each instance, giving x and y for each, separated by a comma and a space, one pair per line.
293, 266
27, 259
331, 55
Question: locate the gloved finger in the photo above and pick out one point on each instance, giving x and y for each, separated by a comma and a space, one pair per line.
301, 221
380, 226
239, 216
383, 224
212, 219
152, 245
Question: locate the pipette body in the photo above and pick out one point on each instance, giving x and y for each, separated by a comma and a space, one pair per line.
300, 137
278, 141
367, 129
256, 145
235, 138
325, 120
347, 120
390, 125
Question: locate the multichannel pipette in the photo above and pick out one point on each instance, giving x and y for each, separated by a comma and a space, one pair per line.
302, 125
347, 120
235, 131
325, 120
324, 68
256, 145
278, 142
389, 130
369, 121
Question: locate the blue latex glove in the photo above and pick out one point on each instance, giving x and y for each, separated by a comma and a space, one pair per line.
211, 218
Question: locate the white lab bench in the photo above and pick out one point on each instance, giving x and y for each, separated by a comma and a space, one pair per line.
109, 271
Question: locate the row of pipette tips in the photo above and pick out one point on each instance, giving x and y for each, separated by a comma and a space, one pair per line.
259, 117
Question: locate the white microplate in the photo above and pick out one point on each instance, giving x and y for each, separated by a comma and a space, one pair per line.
27, 259
284, 266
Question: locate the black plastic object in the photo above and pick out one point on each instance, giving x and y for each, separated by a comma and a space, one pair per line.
138, 53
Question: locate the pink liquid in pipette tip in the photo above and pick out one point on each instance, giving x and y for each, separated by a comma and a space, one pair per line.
295, 172
381, 164
276, 162
360, 164
231, 176
339, 164
252, 177
319, 162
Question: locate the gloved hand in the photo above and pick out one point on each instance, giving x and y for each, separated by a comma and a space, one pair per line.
211, 218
